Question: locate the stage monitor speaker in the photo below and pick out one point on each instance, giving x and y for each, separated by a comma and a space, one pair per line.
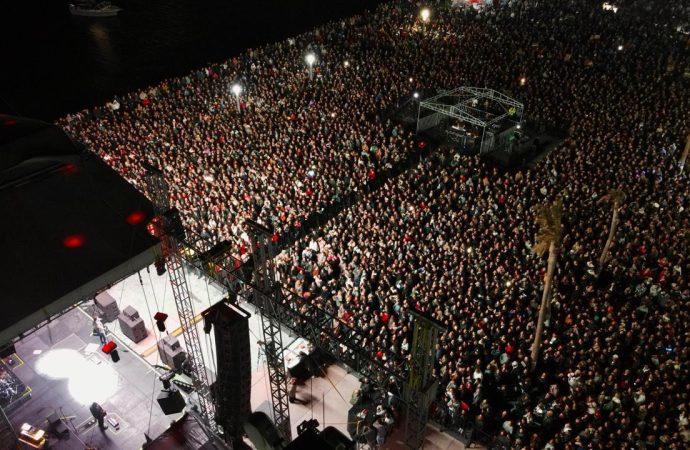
171, 402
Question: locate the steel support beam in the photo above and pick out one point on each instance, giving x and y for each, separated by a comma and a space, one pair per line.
158, 193
185, 310
267, 298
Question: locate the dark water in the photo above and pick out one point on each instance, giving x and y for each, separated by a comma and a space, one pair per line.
54, 63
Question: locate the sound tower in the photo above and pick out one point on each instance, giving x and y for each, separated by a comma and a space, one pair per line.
233, 384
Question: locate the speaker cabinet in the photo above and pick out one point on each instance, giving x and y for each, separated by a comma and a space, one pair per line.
171, 402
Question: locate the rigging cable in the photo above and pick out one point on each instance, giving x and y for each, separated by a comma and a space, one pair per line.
153, 328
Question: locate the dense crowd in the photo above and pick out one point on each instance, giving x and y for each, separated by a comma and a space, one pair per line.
453, 236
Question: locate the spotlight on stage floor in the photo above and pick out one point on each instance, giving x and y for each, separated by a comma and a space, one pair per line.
87, 381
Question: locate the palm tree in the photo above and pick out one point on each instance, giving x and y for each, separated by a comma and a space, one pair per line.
548, 218
615, 196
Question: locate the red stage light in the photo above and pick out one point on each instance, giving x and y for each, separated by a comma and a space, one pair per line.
108, 347
69, 169
135, 218
74, 241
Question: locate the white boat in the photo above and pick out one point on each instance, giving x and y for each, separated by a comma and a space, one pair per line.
100, 9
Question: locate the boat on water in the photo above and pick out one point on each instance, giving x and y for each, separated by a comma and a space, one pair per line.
94, 9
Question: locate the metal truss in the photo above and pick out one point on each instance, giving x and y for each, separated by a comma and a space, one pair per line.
459, 103
185, 310
420, 389
267, 297
158, 193
323, 328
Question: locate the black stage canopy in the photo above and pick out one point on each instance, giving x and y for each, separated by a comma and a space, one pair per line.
69, 225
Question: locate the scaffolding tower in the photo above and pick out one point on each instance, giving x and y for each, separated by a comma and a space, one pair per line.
420, 389
267, 297
170, 231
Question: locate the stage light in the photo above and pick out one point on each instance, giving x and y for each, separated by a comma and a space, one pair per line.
620, 48
523, 80
110, 348
469, 250
333, 114
508, 283
519, 126
310, 59
237, 90
165, 378
160, 266
346, 63
609, 7
69, 169
416, 95
135, 218
74, 241
160, 317
425, 14
411, 79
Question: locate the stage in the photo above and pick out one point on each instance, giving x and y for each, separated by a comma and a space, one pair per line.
63, 370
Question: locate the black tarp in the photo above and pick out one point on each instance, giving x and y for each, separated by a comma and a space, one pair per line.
183, 434
67, 222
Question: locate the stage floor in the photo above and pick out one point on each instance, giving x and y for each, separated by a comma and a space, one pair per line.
66, 371
125, 388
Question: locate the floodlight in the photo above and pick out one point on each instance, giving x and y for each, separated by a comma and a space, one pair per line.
424, 14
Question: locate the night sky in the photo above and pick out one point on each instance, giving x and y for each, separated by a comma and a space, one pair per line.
54, 63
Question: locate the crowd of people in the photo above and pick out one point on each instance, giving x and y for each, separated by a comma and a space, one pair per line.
452, 237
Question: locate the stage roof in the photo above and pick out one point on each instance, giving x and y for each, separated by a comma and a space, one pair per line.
70, 225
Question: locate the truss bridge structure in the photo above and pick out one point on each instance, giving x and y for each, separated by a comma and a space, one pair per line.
482, 117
